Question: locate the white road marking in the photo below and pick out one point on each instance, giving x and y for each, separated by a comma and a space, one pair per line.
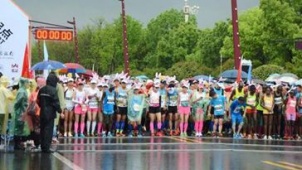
67, 162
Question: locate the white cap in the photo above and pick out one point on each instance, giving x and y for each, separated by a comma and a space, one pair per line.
100, 84
156, 85
93, 81
186, 85
136, 87
124, 81
105, 85
220, 85
149, 81
70, 80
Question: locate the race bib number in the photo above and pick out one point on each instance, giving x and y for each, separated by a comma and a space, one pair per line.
237, 110
136, 107
218, 107
268, 104
292, 103
154, 101
251, 102
110, 100
173, 100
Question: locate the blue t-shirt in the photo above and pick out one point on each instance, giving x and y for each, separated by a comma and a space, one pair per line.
109, 102
236, 107
218, 105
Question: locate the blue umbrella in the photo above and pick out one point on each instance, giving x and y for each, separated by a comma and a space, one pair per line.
142, 77
204, 77
232, 74
48, 65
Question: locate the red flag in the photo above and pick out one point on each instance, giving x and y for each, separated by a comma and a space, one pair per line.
239, 71
25, 68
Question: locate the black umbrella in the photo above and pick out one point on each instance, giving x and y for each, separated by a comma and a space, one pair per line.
232, 74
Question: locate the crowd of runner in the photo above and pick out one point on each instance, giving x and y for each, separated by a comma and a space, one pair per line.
119, 106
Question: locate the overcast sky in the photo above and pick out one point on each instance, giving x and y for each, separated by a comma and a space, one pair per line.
59, 11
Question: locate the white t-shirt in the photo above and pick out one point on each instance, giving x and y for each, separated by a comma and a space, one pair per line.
80, 97
68, 98
184, 99
154, 98
93, 102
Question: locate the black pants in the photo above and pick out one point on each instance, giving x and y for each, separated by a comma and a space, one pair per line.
46, 133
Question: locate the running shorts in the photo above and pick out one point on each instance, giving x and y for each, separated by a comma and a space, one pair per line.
218, 116
153, 110
122, 110
237, 118
172, 109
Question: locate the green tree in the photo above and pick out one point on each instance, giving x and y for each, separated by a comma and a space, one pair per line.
251, 41
107, 45
278, 27
179, 43
210, 43
264, 71
187, 69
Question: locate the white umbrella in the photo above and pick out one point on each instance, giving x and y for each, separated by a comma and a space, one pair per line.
299, 82
289, 80
289, 75
272, 78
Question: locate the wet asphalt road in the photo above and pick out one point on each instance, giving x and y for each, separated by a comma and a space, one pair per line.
160, 153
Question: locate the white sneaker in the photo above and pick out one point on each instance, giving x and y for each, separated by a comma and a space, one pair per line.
65, 134
69, 134
197, 134
265, 137
255, 136
270, 138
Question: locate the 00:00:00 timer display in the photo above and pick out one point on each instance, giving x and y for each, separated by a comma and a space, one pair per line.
58, 35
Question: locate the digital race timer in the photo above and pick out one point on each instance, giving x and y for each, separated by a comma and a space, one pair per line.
56, 35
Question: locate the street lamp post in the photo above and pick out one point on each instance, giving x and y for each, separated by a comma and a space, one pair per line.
189, 10
236, 41
76, 47
125, 39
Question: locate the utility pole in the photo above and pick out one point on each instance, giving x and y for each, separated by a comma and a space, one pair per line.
236, 40
76, 47
125, 39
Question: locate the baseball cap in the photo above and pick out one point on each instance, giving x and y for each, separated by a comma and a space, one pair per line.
220, 85
136, 87
124, 81
156, 85
70, 80
195, 81
93, 82
186, 85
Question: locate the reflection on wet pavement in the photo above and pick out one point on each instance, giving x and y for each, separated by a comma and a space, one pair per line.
160, 153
